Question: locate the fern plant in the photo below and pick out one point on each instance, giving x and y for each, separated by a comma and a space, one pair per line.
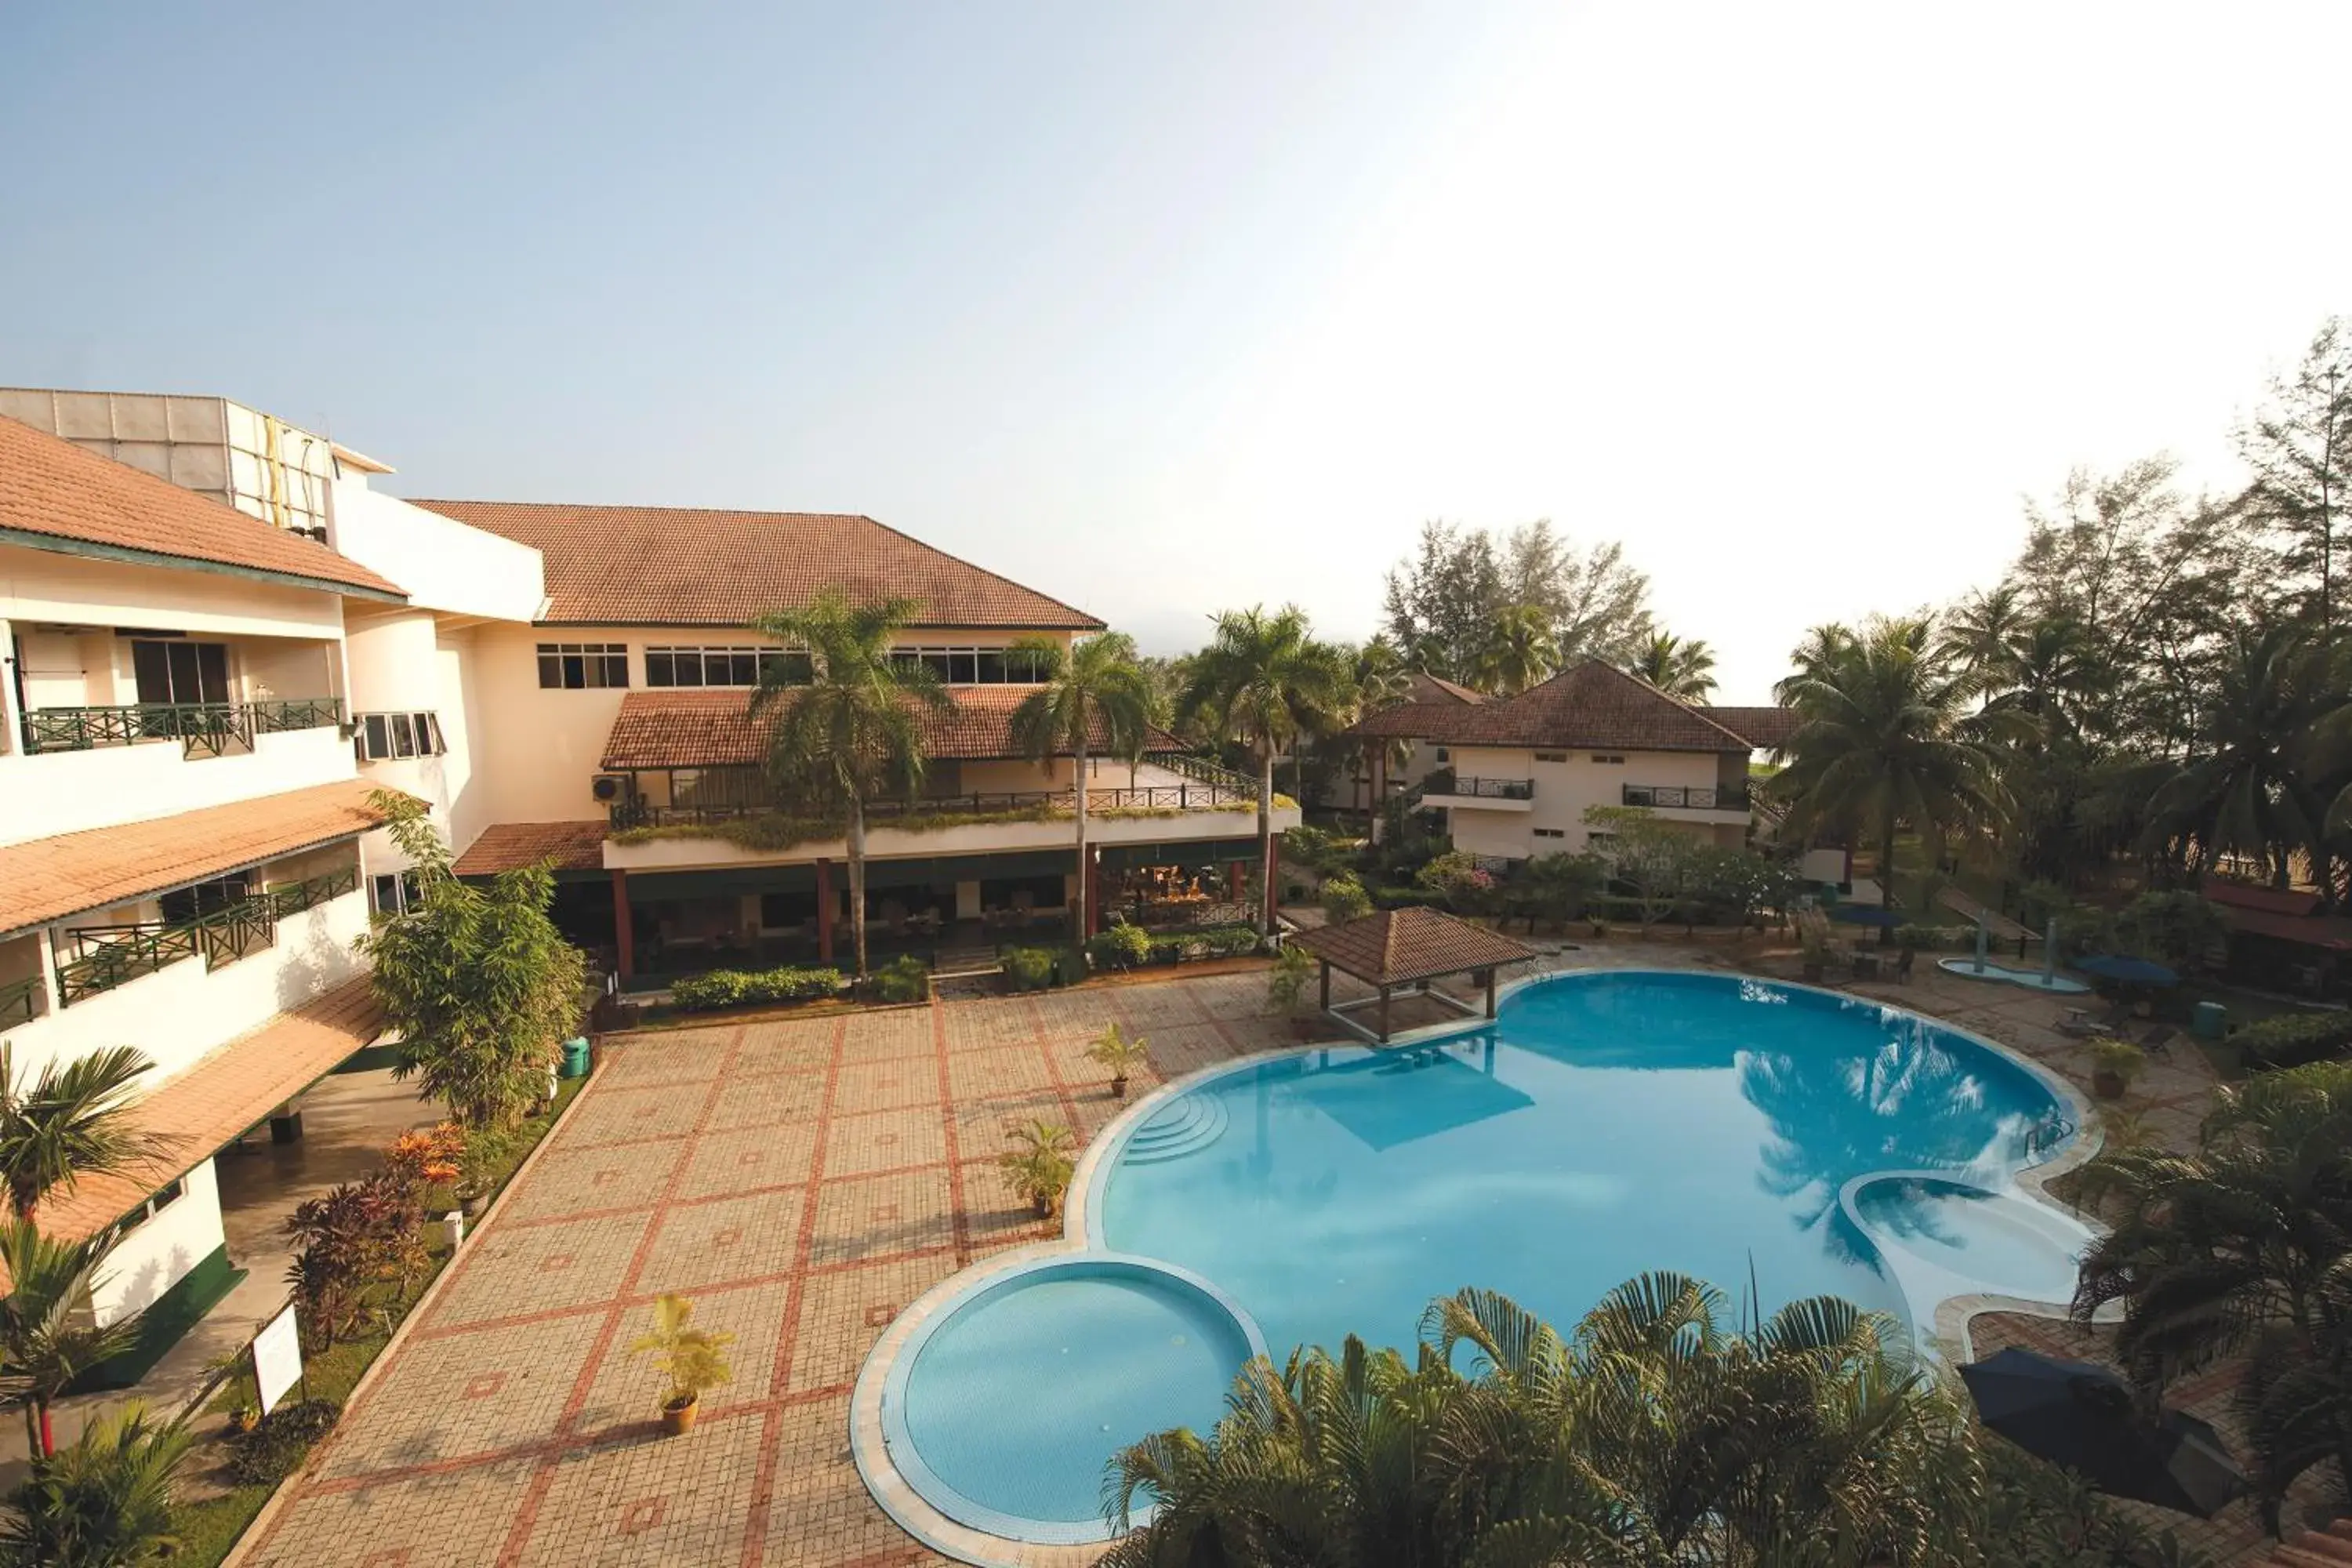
1119, 1053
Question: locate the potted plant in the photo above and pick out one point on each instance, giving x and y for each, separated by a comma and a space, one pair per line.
2113, 1065
244, 1418
1286, 986
479, 1166
693, 1359
1116, 1052
1039, 1163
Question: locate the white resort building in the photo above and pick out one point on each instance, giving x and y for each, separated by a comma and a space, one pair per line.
217, 640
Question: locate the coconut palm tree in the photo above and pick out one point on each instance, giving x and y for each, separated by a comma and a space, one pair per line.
2248, 789
46, 1339
1096, 688
104, 1500
853, 732
1519, 651
1265, 681
1884, 737
1680, 669
72, 1120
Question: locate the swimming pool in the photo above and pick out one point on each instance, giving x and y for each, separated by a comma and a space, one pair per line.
1606, 1124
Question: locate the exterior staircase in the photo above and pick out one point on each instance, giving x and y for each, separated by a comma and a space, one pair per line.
2328, 1548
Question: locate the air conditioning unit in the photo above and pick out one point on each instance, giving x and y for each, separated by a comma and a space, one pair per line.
609, 787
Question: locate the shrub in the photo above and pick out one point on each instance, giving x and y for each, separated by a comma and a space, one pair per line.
1204, 941
2292, 1039
106, 1497
1934, 939
275, 1448
2178, 929
737, 988
358, 1247
1286, 984
1344, 899
1028, 968
905, 978
1123, 946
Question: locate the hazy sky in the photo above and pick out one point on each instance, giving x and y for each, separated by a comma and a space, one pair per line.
1165, 308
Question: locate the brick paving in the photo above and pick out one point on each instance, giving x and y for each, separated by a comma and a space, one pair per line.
803, 1181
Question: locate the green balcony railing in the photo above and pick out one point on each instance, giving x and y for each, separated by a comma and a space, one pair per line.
21, 1002
203, 729
108, 957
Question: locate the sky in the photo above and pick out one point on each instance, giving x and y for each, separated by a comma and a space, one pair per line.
1167, 309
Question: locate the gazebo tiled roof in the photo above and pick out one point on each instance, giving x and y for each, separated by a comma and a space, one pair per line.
1399, 947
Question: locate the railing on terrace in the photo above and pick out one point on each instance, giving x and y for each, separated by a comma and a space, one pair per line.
107, 956
1678, 797
1201, 770
1445, 783
203, 729
626, 814
21, 1002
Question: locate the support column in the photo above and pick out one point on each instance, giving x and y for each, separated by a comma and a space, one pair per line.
825, 911
1090, 921
1325, 1000
1273, 863
1379, 767
1236, 878
1384, 1015
625, 935
1490, 994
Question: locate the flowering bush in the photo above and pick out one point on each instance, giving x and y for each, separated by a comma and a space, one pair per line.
427, 1157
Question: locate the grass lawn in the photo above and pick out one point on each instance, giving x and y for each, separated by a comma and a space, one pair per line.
208, 1529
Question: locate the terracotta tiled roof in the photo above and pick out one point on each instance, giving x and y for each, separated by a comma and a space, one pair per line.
1591, 704
2332, 932
227, 1090
46, 879
509, 845
651, 565
1766, 729
2271, 901
709, 729
1437, 688
1396, 947
52, 489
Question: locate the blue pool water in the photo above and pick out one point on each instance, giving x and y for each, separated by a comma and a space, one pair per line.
1605, 1125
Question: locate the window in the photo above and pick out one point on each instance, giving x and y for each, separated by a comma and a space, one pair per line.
714, 666
973, 666
1443, 756
1551, 756
392, 893
577, 666
1607, 757
165, 1196
1551, 833
188, 903
180, 672
382, 736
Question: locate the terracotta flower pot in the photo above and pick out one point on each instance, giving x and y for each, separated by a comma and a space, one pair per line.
678, 1417
1118, 1087
2107, 1085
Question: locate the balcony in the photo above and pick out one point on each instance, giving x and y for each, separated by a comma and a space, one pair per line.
203, 729
1444, 788
21, 1002
1680, 798
108, 957
1233, 794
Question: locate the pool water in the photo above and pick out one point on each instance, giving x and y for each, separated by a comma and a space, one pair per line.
1018, 1395
1985, 1241
1604, 1126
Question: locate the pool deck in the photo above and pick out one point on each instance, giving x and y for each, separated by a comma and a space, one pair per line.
804, 1180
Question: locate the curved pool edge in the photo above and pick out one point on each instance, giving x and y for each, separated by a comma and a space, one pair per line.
878, 1433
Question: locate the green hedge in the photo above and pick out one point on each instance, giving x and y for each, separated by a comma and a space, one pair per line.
1202, 941
736, 987
2291, 1039
905, 978
1123, 946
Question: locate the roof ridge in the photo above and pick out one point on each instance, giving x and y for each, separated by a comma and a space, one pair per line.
434, 502
1664, 696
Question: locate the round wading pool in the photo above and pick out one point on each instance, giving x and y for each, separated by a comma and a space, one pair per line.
1004, 1406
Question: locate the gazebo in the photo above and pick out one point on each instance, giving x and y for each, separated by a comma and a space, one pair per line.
1408, 948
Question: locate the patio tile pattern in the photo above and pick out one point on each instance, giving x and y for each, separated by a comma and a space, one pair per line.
803, 1181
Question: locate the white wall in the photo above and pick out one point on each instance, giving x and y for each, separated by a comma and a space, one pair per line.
151, 1258
66, 792
1565, 790
43, 585
442, 564
179, 1013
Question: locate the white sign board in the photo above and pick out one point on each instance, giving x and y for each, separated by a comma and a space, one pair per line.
277, 1358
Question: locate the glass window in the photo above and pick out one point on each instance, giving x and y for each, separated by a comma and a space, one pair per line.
404, 737
963, 665
383, 895
989, 666
742, 667
657, 671
1551, 756
686, 667
550, 668
1606, 757
794, 668
428, 736
375, 734
578, 666
168, 1195
935, 659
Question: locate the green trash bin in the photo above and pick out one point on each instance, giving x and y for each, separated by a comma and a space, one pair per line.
2211, 1021
575, 1059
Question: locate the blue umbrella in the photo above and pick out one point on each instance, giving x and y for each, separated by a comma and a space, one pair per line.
2125, 971
1864, 915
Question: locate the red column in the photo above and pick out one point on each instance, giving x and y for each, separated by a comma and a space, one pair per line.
1236, 878
625, 935
825, 911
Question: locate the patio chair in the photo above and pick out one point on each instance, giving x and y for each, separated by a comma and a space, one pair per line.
2079, 1024
2157, 1042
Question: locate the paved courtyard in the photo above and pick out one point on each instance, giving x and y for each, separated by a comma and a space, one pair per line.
803, 1181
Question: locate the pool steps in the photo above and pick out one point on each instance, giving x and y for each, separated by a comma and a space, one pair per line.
1185, 1125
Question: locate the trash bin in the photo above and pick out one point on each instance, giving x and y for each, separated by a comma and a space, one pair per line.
2211, 1021
575, 1059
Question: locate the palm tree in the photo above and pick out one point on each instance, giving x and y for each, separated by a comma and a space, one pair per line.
1978, 632
1521, 651
72, 1120
46, 1339
1652, 1436
1265, 680
1680, 669
1884, 737
2248, 791
105, 1501
854, 732
1097, 688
